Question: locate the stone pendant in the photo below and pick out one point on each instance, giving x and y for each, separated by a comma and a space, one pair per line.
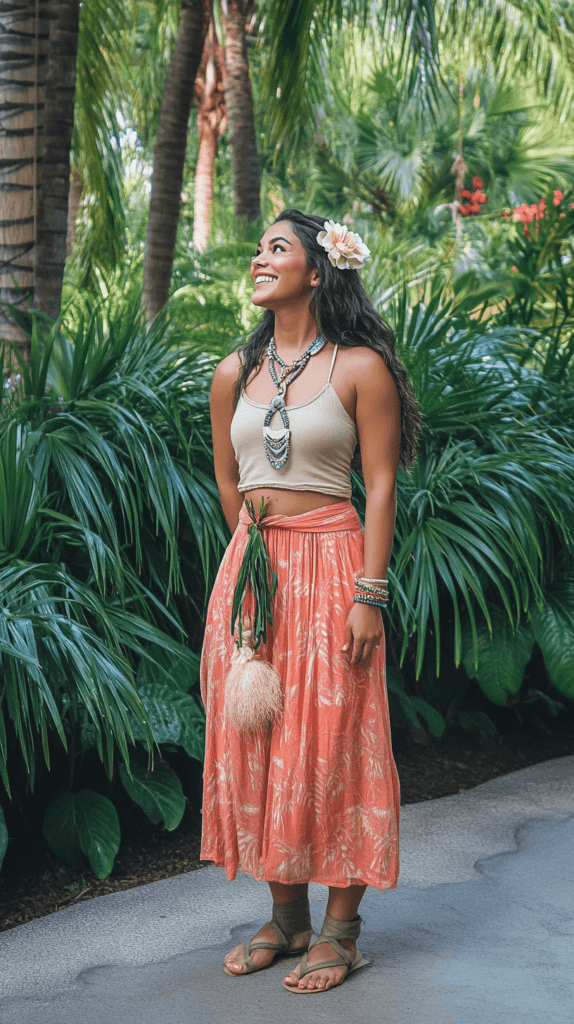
276, 442
276, 445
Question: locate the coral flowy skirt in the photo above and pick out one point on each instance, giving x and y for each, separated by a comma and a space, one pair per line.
316, 798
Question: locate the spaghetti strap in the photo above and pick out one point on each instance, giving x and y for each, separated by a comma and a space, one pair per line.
332, 364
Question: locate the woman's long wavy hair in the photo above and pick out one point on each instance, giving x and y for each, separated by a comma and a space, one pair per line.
344, 315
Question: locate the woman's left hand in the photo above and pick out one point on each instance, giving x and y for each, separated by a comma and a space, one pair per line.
363, 633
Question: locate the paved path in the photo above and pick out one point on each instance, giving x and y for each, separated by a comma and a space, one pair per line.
481, 929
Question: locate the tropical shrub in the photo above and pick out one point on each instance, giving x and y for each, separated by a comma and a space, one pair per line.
483, 564
108, 518
111, 529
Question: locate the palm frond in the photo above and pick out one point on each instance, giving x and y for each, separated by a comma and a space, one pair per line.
95, 141
52, 658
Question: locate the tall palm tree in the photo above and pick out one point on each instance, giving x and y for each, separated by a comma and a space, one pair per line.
23, 58
52, 205
40, 39
239, 101
169, 153
211, 123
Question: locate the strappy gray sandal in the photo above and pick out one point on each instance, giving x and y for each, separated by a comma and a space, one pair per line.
288, 920
331, 932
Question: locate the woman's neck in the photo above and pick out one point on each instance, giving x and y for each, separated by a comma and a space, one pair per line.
294, 331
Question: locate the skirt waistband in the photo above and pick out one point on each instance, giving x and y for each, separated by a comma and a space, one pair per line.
328, 519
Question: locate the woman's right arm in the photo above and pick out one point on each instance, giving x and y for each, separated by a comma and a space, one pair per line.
226, 468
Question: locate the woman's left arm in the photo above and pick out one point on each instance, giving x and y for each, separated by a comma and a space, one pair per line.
378, 416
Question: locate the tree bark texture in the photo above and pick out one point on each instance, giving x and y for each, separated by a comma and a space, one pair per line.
23, 56
169, 153
52, 209
240, 117
211, 123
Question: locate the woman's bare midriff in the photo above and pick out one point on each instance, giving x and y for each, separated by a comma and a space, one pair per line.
282, 502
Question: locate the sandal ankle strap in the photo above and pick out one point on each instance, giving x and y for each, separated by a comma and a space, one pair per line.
334, 929
291, 918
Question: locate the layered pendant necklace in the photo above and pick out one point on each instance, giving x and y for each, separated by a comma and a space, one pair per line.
277, 441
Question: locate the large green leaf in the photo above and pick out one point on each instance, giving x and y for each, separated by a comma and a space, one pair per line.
3, 837
179, 667
413, 707
174, 717
85, 822
553, 628
60, 828
158, 793
98, 830
502, 658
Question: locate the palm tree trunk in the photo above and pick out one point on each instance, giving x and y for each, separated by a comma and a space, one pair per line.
211, 122
23, 49
52, 211
239, 103
169, 153
74, 203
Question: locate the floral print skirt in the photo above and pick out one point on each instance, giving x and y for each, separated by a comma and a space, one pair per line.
316, 798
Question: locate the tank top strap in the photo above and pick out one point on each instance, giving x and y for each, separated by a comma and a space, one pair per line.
332, 364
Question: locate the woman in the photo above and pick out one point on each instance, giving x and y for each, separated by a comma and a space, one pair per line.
316, 796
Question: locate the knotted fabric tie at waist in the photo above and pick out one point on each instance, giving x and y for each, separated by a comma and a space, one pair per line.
328, 519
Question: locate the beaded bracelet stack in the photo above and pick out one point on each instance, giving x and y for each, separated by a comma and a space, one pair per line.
368, 591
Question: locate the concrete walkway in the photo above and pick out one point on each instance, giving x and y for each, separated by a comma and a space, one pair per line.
481, 929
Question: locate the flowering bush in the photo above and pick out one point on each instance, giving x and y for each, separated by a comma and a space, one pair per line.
476, 198
527, 213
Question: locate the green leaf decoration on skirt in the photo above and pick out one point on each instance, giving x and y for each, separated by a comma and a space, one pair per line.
257, 576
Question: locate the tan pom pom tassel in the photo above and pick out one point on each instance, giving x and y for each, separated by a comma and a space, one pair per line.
253, 693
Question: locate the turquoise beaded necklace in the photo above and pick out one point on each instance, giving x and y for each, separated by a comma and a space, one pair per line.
276, 442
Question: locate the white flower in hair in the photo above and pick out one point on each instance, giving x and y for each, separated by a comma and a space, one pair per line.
345, 249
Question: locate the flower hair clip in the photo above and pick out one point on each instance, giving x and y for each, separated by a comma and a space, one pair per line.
345, 249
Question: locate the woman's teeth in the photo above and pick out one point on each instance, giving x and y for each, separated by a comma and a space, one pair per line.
261, 278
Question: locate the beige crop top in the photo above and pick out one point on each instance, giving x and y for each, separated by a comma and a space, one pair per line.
323, 439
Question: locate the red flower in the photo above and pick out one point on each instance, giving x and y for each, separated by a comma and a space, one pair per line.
558, 196
465, 194
476, 182
515, 269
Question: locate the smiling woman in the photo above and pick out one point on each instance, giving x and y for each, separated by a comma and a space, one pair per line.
314, 796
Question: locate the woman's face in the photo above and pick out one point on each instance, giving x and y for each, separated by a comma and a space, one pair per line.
279, 270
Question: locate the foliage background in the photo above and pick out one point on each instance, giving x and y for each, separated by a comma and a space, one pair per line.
111, 528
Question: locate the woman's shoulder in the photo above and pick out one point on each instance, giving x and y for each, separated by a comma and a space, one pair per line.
226, 374
229, 367
363, 362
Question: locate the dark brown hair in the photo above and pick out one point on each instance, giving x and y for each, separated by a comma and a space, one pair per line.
344, 315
